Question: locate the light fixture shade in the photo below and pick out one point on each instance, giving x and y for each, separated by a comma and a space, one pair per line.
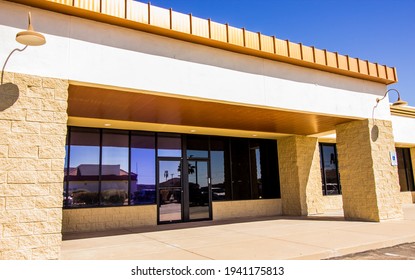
30, 37
400, 102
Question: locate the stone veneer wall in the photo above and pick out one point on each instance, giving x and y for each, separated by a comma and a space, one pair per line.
333, 202
223, 210
300, 175
32, 153
370, 185
100, 219
407, 197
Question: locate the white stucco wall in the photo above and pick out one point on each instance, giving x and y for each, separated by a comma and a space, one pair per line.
86, 51
404, 130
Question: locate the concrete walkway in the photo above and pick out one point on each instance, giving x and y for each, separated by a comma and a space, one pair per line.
315, 237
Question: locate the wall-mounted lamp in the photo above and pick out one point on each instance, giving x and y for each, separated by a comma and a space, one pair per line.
28, 37
398, 102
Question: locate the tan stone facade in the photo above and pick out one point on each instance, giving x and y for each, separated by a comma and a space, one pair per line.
333, 202
370, 183
100, 219
246, 208
33, 121
300, 176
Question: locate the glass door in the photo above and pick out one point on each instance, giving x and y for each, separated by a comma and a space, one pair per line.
170, 190
198, 189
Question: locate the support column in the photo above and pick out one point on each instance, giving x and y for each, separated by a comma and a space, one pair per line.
33, 122
300, 176
370, 183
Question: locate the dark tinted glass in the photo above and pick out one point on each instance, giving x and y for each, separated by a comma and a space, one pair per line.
114, 168
256, 174
270, 182
143, 169
169, 145
197, 147
170, 191
220, 169
328, 164
406, 178
83, 173
198, 190
241, 185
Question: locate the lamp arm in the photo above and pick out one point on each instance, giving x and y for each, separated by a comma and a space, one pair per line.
386, 93
7, 59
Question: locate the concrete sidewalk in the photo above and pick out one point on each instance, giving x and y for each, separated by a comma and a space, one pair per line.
315, 237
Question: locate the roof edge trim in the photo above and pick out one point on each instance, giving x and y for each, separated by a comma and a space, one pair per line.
163, 22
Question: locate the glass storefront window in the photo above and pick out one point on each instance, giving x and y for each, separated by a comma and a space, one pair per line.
114, 168
169, 145
240, 166
220, 173
256, 176
406, 177
83, 171
197, 147
106, 167
329, 169
143, 169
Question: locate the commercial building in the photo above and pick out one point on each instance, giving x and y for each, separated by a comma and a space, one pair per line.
140, 115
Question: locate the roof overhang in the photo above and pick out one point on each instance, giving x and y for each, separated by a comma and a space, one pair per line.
206, 32
91, 105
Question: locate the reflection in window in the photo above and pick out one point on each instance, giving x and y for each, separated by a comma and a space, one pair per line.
254, 151
220, 173
169, 145
241, 185
329, 169
406, 177
197, 147
83, 171
114, 168
143, 169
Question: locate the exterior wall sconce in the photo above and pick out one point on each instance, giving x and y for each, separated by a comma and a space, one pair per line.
398, 102
28, 37
375, 129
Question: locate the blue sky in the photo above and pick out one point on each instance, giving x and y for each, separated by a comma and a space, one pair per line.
380, 31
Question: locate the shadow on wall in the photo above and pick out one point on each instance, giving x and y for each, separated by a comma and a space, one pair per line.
9, 93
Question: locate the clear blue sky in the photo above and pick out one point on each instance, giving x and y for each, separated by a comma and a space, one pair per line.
381, 31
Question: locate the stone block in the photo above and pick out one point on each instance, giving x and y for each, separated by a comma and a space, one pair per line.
53, 128
27, 80
52, 152
20, 203
47, 227
13, 114
50, 177
23, 254
5, 126
23, 151
55, 84
25, 127
54, 105
40, 116
17, 229
40, 93
21, 177
48, 202
4, 151
46, 253
10, 190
